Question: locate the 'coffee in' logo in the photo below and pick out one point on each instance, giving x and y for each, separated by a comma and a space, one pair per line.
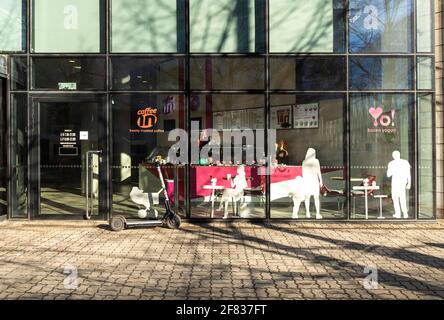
146, 118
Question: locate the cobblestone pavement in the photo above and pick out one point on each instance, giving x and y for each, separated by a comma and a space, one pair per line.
221, 261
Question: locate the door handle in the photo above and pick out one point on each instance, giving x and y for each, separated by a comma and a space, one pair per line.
89, 171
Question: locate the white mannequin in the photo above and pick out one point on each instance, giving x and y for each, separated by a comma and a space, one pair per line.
297, 195
311, 173
236, 192
399, 170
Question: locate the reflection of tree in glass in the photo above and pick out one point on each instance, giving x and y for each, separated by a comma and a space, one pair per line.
146, 25
306, 26
224, 25
11, 25
378, 25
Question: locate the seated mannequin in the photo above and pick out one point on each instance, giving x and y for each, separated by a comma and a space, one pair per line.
236, 192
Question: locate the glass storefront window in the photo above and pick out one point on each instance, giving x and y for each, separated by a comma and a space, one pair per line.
227, 73
148, 26
140, 125
426, 142
160, 73
70, 26
308, 74
65, 74
227, 26
227, 176
302, 123
374, 73
382, 151
12, 25
307, 26
376, 54
19, 73
425, 68
19, 165
424, 19
380, 25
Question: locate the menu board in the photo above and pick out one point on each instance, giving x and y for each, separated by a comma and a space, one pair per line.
239, 119
306, 116
68, 143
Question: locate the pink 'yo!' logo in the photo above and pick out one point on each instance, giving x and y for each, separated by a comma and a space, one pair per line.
381, 118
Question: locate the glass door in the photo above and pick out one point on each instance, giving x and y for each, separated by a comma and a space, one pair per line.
71, 153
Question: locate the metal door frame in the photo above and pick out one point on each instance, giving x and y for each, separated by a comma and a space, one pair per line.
34, 101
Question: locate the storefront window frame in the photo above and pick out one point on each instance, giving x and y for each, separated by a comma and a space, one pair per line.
25, 30
104, 18
106, 53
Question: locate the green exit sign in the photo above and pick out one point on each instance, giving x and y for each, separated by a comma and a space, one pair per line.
67, 86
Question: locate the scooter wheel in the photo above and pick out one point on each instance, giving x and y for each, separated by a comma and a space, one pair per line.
117, 223
173, 221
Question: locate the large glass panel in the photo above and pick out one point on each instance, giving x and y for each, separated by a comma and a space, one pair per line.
227, 176
19, 145
3, 150
67, 74
147, 26
227, 26
67, 25
227, 73
308, 128
310, 73
425, 68
19, 73
69, 130
424, 23
373, 73
12, 25
382, 156
380, 25
307, 26
426, 140
134, 73
141, 125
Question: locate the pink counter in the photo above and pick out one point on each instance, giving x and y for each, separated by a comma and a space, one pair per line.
202, 175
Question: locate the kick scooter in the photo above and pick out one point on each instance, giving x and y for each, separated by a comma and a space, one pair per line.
170, 219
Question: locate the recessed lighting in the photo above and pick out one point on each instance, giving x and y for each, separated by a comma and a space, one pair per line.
72, 61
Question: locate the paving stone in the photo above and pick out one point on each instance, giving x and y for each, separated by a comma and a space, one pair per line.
221, 261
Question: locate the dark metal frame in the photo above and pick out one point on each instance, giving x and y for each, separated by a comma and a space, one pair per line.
34, 101
107, 54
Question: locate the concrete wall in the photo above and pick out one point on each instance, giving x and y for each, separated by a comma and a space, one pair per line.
439, 43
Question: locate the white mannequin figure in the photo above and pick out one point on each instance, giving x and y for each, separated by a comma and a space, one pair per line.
297, 195
236, 192
311, 173
399, 170
139, 197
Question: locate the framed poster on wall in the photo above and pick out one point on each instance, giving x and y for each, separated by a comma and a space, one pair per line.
280, 117
306, 116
